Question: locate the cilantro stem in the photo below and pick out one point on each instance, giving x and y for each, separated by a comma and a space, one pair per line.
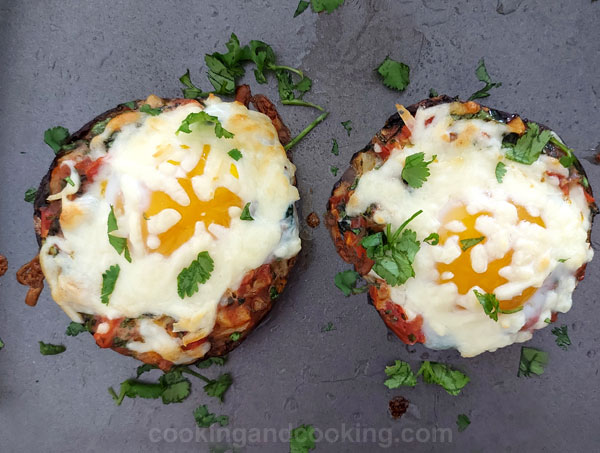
399, 230
193, 373
113, 394
300, 102
309, 128
275, 67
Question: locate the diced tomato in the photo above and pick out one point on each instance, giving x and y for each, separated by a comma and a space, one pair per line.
91, 171
105, 340
194, 344
563, 182
393, 315
47, 216
590, 199
428, 121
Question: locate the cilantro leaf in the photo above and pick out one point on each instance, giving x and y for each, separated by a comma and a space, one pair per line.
302, 439
205, 419
569, 158
273, 294
462, 421
328, 328
532, 361
132, 388
223, 69
433, 93
334, 170
132, 104
203, 117
529, 146
235, 154
100, 126
235, 336
393, 253
302, 5
491, 305
346, 282
51, 349
396, 75
451, 380
198, 272
326, 5
400, 374
348, 126
483, 76
500, 171
432, 239
56, 137
118, 243
562, 337
69, 181
74, 329
219, 386
466, 244
245, 215
190, 91
144, 369
415, 171
220, 361
1, 344
149, 110
335, 150
109, 280
176, 392
30, 195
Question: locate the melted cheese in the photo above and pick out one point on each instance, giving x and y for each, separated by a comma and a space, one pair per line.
528, 224
174, 195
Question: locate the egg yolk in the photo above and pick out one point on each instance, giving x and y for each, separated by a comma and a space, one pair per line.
464, 277
212, 211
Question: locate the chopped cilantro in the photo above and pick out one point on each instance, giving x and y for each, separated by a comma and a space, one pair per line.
130, 105
235, 154
217, 387
56, 137
302, 5
273, 294
346, 282
149, 110
51, 349
569, 158
176, 388
245, 215
415, 171
235, 336
100, 126
483, 76
198, 272
1, 344
306, 130
328, 328
144, 369
396, 75
400, 374
205, 419
220, 361
466, 244
118, 243
69, 181
432, 239
132, 388
335, 150
562, 337
74, 329
348, 126
190, 91
532, 361
334, 170
203, 117
462, 421
302, 439
109, 280
562, 260
491, 305
529, 146
433, 93
500, 171
548, 321
393, 253
451, 380
30, 195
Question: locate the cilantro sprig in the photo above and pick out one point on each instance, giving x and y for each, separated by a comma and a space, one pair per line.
56, 137
395, 74
399, 374
453, 381
529, 146
533, 361
198, 272
483, 76
393, 253
416, 170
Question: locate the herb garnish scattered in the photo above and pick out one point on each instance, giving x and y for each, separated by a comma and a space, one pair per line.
334, 170
328, 328
462, 421
217, 387
500, 171
348, 126
569, 158
562, 337
203, 117
56, 137
1, 344
302, 5
235, 154
198, 272
245, 215
416, 171
466, 244
532, 361
432, 239
399, 374
69, 181
74, 329
190, 91
109, 280
205, 419
396, 75
393, 253
118, 243
483, 76
335, 150
144, 369
302, 439
529, 146
451, 380
51, 349
100, 126
306, 130
491, 305
433, 93
235, 336
220, 361
30, 195
149, 110
346, 281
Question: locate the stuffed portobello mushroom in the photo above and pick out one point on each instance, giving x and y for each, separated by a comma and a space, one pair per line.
470, 225
168, 226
